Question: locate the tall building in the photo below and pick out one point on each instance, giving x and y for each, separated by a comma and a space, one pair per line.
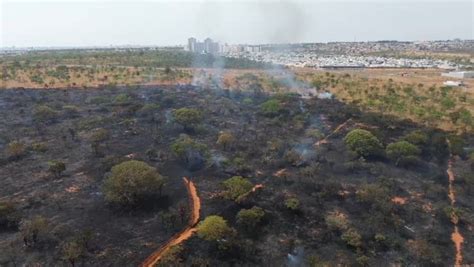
192, 44
208, 46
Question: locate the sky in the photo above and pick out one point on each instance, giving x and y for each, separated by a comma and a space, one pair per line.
75, 23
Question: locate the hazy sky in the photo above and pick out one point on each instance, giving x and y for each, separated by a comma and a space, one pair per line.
103, 23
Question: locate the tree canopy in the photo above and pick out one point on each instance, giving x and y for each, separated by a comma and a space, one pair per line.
401, 149
363, 142
188, 117
130, 181
213, 228
236, 187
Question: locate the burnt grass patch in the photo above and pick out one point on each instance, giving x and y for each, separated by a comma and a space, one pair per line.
323, 203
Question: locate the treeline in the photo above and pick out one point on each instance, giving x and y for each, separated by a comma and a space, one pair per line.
133, 58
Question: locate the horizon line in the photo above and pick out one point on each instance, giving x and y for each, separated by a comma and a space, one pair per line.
13, 47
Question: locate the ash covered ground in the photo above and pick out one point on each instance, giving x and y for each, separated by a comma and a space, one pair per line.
322, 202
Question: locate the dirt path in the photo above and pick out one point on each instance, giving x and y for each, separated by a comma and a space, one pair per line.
195, 204
456, 236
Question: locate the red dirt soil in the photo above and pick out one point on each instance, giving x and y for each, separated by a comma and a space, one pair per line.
456, 236
186, 233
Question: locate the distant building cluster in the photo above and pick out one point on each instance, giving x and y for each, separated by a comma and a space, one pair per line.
206, 47
380, 54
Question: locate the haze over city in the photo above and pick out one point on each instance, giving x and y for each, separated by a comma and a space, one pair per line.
158, 23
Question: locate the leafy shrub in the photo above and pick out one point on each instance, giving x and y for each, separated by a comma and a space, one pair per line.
352, 237
314, 133
8, 214
185, 143
188, 117
56, 167
39, 147
240, 163
271, 107
363, 142
131, 181
418, 138
122, 99
250, 218
15, 150
425, 252
456, 145
32, 229
236, 187
149, 109
374, 195
44, 113
99, 135
72, 251
171, 257
410, 161
213, 228
152, 154
401, 149
337, 221
247, 101
225, 139
292, 204
71, 111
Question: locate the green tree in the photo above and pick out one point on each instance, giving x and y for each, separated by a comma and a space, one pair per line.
363, 142
456, 145
148, 110
352, 237
130, 181
72, 251
375, 196
213, 228
98, 136
171, 257
425, 252
226, 140
122, 99
417, 137
32, 229
401, 149
71, 111
250, 218
188, 117
337, 221
236, 187
56, 167
45, 114
292, 204
8, 214
271, 107
184, 145
15, 150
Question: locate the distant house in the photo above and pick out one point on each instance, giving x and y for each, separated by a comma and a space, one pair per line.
459, 74
453, 83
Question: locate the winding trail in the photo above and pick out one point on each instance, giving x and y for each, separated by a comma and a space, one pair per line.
456, 236
186, 233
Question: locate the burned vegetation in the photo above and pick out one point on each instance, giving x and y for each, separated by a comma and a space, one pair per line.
94, 178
